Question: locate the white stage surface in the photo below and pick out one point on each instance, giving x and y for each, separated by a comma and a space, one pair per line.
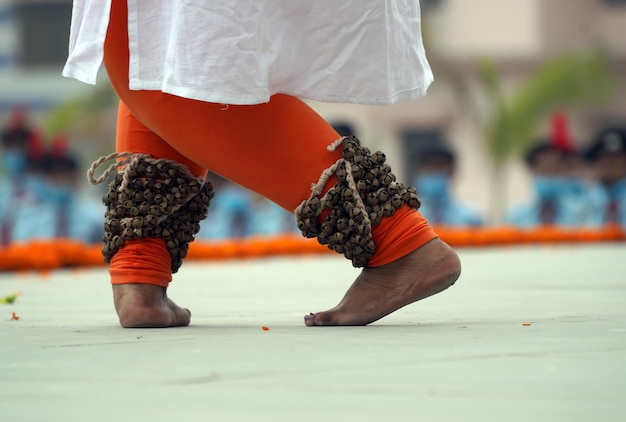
534, 333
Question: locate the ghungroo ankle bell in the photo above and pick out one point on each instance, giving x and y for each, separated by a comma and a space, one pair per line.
152, 198
366, 190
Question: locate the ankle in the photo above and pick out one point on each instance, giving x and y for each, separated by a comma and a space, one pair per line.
399, 235
138, 295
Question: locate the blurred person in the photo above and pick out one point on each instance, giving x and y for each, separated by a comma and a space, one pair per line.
230, 213
268, 218
21, 154
19, 141
608, 157
57, 209
217, 86
581, 194
545, 163
561, 195
433, 180
19, 194
237, 213
344, 128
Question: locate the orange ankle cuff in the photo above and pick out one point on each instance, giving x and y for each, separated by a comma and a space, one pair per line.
399, 235
145, 261
404, 232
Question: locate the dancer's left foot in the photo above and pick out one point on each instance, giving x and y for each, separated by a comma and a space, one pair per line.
147, 306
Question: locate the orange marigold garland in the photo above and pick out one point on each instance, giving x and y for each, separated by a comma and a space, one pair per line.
45, 255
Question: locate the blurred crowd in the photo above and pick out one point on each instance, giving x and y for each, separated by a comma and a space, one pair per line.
41, 195
576, 188
571, 187
236, 212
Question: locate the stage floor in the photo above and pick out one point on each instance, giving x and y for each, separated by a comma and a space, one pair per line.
527, 333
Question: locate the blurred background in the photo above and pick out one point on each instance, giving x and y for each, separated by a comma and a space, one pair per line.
525, 124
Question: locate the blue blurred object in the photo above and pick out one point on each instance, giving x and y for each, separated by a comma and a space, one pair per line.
563, 192
269, 219
229, 214
548, 188
433, 182
433, 186
13, 162
608, 156
59, 195
44, 201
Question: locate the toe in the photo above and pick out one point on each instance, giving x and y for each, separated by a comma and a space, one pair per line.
318, 319
327, 318
182, 318
309, 320
324, 318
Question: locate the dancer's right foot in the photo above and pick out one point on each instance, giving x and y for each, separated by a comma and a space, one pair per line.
379, 291
147, 306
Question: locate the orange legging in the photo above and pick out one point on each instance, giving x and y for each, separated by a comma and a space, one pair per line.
277, 149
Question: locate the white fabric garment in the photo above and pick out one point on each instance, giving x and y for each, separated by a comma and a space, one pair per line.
244, 51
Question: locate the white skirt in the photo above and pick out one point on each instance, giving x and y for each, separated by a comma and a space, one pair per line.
244, 51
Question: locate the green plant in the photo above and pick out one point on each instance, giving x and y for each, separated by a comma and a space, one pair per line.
81, 114
566, 80
563, 81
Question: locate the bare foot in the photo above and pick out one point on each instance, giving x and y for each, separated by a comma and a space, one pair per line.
147, 306
379, 291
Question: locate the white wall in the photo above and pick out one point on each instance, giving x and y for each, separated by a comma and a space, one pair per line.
506, 28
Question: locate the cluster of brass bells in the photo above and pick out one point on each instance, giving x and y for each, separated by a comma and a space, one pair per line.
160, 199
366, 190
